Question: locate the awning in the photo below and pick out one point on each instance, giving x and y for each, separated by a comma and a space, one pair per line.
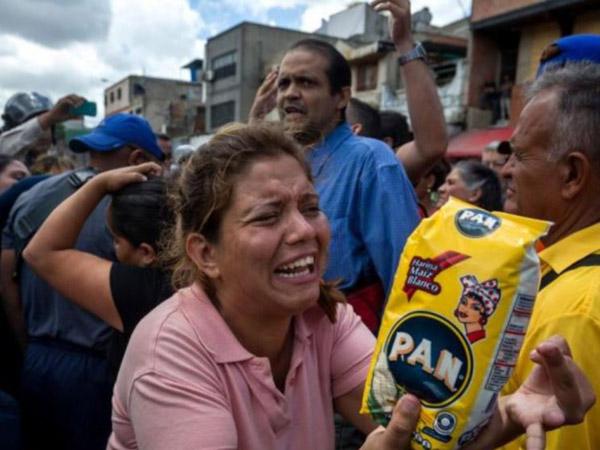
470, 144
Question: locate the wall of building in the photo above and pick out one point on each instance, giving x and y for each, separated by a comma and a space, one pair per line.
170, 106
588, 23
221, 91
484, 9
534, 39
535, 34
484, 58
118, 103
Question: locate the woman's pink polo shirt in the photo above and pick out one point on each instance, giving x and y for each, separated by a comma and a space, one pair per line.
187, 383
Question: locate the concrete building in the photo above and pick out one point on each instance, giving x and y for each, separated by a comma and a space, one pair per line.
173, 107
507, 41
357, 21
237, 61
375, 71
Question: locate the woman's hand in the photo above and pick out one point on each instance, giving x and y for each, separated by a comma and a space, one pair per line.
266, 97
398, 433
556, 393
113, 180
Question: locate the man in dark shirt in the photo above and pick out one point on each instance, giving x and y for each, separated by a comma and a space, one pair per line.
66, 382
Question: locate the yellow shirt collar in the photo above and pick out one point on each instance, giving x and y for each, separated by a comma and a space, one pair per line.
574, 247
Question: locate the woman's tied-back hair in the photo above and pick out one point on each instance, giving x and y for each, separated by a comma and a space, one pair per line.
205, 191
140, 212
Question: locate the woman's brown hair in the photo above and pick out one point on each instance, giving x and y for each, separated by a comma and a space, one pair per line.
205, 189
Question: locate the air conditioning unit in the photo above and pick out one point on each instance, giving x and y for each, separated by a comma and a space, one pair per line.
208, 75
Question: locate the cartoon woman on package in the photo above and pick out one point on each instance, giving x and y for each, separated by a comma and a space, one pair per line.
477, 303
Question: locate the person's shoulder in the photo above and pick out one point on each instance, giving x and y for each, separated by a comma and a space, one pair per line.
171, 327
371, 150
158, 323
40, 192
581, 286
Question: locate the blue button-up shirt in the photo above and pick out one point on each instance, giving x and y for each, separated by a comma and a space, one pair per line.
370, 204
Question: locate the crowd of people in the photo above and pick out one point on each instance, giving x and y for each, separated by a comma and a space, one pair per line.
232, 301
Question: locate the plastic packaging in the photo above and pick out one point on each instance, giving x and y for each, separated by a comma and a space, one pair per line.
455, 321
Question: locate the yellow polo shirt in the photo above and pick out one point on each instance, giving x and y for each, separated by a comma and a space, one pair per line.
570, 307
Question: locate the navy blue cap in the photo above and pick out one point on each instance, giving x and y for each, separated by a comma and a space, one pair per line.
578, 47
117, 131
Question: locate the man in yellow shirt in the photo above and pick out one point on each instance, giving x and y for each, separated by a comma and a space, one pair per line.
554, 174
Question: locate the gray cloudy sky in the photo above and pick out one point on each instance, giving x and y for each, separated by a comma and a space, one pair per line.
57, 47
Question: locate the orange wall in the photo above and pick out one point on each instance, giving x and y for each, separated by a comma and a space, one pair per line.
588, 23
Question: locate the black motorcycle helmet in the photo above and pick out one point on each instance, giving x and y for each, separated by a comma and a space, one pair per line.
22, 107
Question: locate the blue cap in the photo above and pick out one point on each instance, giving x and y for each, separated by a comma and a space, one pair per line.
115, 132
578, 47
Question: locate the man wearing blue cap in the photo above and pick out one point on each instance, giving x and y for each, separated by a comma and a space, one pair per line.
574, 48
66, 381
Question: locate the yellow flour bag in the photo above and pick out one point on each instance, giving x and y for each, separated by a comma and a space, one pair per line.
455, 321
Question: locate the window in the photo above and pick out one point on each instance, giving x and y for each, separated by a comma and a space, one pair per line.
105, 99
112, 97
224, 66
444, 73
222, 113
366, 77
118, 93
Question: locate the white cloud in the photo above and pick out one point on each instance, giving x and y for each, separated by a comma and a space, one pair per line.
153, 37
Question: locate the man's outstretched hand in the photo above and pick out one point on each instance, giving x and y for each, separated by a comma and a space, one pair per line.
556, 393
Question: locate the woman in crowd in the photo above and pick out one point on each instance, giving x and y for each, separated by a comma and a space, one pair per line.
11, 171
120, 293
475, 183
254, 351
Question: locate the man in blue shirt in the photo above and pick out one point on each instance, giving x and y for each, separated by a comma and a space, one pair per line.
363, 189
66, 383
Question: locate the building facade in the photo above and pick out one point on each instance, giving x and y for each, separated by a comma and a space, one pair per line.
376, 73
173, 107
508, 37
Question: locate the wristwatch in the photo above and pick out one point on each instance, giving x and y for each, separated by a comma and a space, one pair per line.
417, 52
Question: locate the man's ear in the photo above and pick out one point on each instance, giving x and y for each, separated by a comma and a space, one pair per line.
344, 94
356, 128
203, 255
138, 156
147, 254
575, 171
